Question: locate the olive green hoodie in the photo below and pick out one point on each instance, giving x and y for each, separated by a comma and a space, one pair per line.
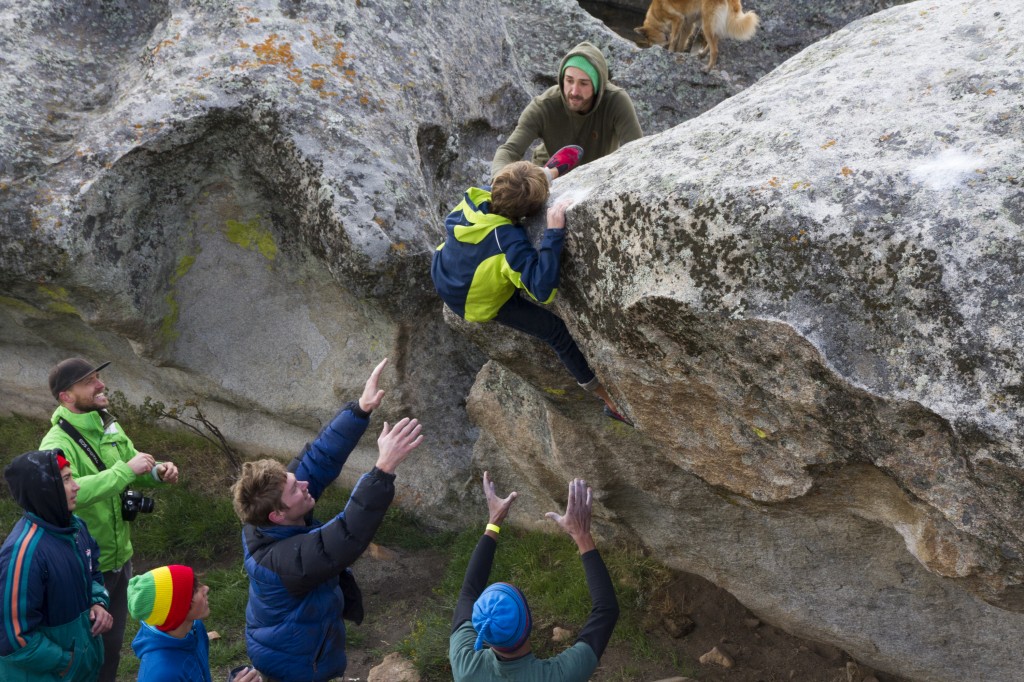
611, 122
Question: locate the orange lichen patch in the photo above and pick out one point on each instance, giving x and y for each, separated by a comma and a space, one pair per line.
380, 221
846, 171
364, 100
316, 83
828, 144
774, 182
990, 91
242, 44
252, 20
340, 56
295, 76
203, 74
398, 246
269, 52
324, 94
166, 43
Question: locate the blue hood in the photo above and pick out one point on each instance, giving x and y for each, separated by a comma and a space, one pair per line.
160, 653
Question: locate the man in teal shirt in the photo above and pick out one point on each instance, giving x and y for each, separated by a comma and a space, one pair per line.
104, 462
491, 627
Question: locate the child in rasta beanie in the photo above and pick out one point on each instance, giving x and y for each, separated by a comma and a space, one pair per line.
172, 644
162, 597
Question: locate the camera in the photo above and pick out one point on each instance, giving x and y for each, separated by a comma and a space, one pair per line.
133, 502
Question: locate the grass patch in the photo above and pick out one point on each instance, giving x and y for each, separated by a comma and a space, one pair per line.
18, 434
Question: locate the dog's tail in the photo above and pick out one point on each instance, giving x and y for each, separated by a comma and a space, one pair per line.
739, 25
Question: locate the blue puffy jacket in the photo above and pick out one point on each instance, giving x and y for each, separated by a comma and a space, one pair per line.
164, 658
294, 630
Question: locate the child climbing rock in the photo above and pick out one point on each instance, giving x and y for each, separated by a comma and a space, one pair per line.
487, 258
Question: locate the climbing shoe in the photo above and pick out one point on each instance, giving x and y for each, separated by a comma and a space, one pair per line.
612, 414
565, 159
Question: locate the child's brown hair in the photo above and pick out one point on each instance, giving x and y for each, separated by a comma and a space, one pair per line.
519, 189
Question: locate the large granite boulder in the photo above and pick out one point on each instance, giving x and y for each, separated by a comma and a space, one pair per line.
808, 298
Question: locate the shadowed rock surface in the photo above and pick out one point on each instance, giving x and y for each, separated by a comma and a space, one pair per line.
809, 298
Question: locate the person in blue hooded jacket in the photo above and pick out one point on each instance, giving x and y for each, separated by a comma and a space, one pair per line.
53, 600
172, 643
487, 258
300, 586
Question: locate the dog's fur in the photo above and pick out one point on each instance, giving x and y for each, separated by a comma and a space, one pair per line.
673, 24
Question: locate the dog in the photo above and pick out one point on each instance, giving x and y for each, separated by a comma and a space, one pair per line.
673, 24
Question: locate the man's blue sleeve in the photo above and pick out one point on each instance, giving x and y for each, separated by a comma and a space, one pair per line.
322, 460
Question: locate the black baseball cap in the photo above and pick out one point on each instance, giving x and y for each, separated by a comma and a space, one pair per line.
69, 372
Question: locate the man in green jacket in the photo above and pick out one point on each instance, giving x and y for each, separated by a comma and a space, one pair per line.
584, 109
105, 463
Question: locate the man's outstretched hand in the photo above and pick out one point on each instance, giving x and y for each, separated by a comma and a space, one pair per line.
371, 397
395, 443
576, 520
497, 507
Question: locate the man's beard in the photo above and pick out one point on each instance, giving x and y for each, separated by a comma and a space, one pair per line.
87, 404
579, 106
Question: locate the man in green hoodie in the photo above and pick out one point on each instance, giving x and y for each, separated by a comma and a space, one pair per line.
584, 109
104, 462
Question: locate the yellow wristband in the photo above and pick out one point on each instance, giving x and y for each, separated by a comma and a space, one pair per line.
491, 526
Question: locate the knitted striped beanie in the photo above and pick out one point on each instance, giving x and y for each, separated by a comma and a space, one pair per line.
162, 597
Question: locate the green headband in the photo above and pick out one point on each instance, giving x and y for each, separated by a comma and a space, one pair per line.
581, 63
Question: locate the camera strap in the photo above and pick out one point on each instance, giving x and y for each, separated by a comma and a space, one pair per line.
82, 443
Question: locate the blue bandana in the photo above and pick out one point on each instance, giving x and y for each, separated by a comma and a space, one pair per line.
501, 618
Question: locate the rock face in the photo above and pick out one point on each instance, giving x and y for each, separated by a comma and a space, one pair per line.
809, 298
809, 301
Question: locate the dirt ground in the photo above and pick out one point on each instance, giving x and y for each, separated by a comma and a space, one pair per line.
691, 617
